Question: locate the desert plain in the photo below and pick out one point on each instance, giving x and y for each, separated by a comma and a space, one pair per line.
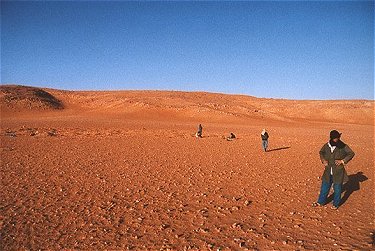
122, 170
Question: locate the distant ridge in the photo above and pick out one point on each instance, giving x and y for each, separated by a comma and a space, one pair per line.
186, 106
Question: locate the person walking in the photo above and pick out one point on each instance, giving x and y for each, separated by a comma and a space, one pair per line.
199, 132
264, 136
334, 155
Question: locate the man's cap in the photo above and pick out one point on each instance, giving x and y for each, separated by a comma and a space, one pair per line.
334, 134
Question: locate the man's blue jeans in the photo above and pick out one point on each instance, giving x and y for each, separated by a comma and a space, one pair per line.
264, 144
324, 190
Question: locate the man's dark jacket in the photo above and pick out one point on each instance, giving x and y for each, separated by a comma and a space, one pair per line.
264, 136
341, 152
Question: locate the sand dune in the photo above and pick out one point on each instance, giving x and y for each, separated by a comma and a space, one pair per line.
186, 105
122, 170
15, 98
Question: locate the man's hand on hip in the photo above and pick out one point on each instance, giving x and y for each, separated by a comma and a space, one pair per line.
339, 162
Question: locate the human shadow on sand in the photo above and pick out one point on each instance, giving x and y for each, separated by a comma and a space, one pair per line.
278, 149
350, 187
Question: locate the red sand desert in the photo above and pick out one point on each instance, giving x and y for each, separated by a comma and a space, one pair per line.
122, 170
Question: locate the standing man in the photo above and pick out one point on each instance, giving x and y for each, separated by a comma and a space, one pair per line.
265, 137
199, 132
334, 156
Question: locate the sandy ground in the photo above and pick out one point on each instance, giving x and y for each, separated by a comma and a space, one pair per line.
86, 177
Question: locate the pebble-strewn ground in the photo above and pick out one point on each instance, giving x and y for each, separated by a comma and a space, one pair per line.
89, 183
123, 171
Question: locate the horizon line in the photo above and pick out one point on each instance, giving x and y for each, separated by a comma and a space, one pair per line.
181, 90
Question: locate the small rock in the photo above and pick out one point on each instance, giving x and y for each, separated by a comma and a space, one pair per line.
33, 133
236, 225
164, 226
236, 198
53, 132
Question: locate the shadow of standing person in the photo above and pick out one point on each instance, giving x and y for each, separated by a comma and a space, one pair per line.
349, 187
352, 185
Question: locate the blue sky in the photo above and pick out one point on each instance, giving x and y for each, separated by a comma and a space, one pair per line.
295, 50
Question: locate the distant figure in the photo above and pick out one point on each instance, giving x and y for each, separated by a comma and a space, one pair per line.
334, 156
231, 137
199, 132
265, 137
